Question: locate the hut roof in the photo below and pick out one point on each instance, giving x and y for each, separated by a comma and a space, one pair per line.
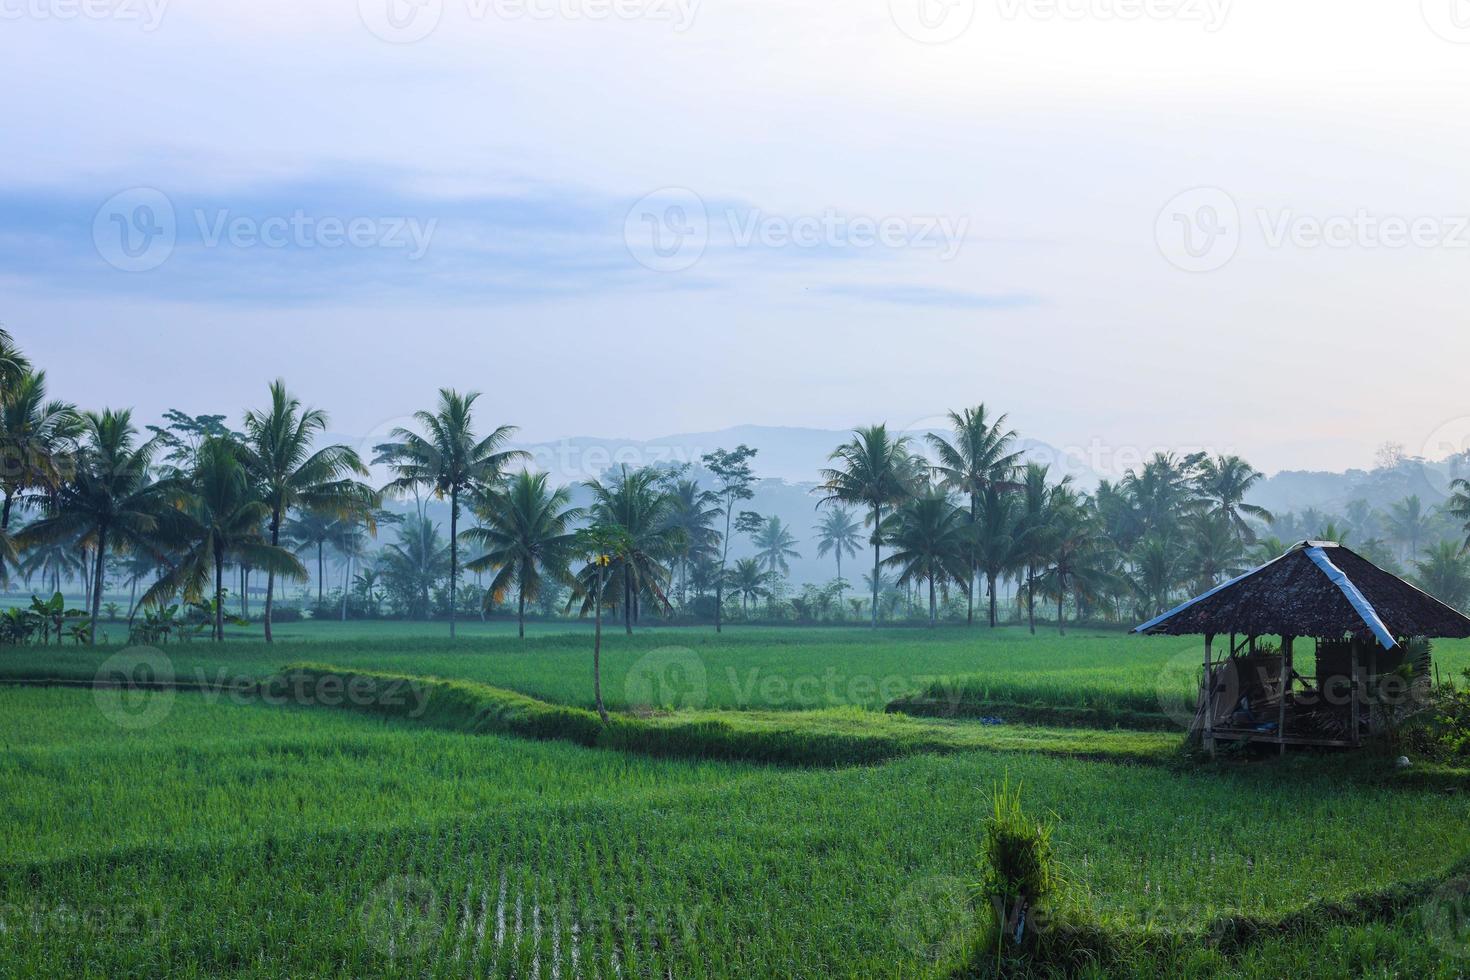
1317, 588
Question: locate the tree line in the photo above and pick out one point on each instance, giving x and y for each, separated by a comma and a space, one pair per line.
192, 510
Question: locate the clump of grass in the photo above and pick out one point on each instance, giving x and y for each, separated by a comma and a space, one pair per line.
1022, 871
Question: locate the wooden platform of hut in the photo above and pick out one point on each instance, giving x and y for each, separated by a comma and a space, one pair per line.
1370, 628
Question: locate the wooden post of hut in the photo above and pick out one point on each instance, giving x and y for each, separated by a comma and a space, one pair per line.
1285, 687
1357, 735
1209, 688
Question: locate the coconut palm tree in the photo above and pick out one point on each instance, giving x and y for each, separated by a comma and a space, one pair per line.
874, 470
691, 518
413, 564
526, 531
1156, 561
997, 540
290, 474
633, 502
1408, 522
1035, 538
109, 504
1444, 573
221, 520
37, 437
313, 530
774, 544
1215, 551
52, 562
929, 537
452, 460
981, 455
1223, 482
749, 581
839, 532
1080, 555
603, 546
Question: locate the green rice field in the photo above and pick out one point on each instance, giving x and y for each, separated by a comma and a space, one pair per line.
189, 833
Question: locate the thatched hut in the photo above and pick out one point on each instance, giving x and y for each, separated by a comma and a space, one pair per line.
1372, 659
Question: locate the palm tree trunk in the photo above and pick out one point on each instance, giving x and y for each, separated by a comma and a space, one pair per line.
933, 612
453, 554
321, 570
1031, 598
627, 598
521, 613
974, 562
270, 575
724, 557
1061, 623
992, 602
877, 522
219, 596
96, 596
5, 515
597, 649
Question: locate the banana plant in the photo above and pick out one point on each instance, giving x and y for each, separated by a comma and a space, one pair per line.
53, 615
18, 625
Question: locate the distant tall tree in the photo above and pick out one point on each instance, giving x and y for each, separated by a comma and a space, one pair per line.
980, 456
1156, 561
413, 564
1408, 523
110, 502
633, 502
290, 474
1080, 555
451, 460
996, 540
1215, 549
691, 518
602, 545
929, 537
733, 482
1224, 482
527, 535
873, 470
749, 581
1036, 537
775, 544
313, 530
222, 518
1444, 573
838, 532
37, 436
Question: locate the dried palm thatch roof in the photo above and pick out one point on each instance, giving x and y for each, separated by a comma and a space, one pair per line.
1317, 588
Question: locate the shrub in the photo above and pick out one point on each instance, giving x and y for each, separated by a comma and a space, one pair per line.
1021, 872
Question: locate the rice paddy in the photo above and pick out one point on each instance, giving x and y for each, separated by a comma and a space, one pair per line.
231, 836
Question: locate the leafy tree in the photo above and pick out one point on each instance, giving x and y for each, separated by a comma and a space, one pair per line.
1444, 573
929, 538
1080, 555
996, 540
1224, 482
1035, 540
839, 532
109, 504
1216, 551
691, 518
451, 459
633, 502
981, 455
313, 530
413, 564
874, 470
37, 439
219, 519
290, 474
749, 580
1408, 523
774, 544
527, 536
734, 480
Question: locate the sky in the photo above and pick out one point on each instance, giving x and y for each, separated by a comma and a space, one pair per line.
1131, 224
